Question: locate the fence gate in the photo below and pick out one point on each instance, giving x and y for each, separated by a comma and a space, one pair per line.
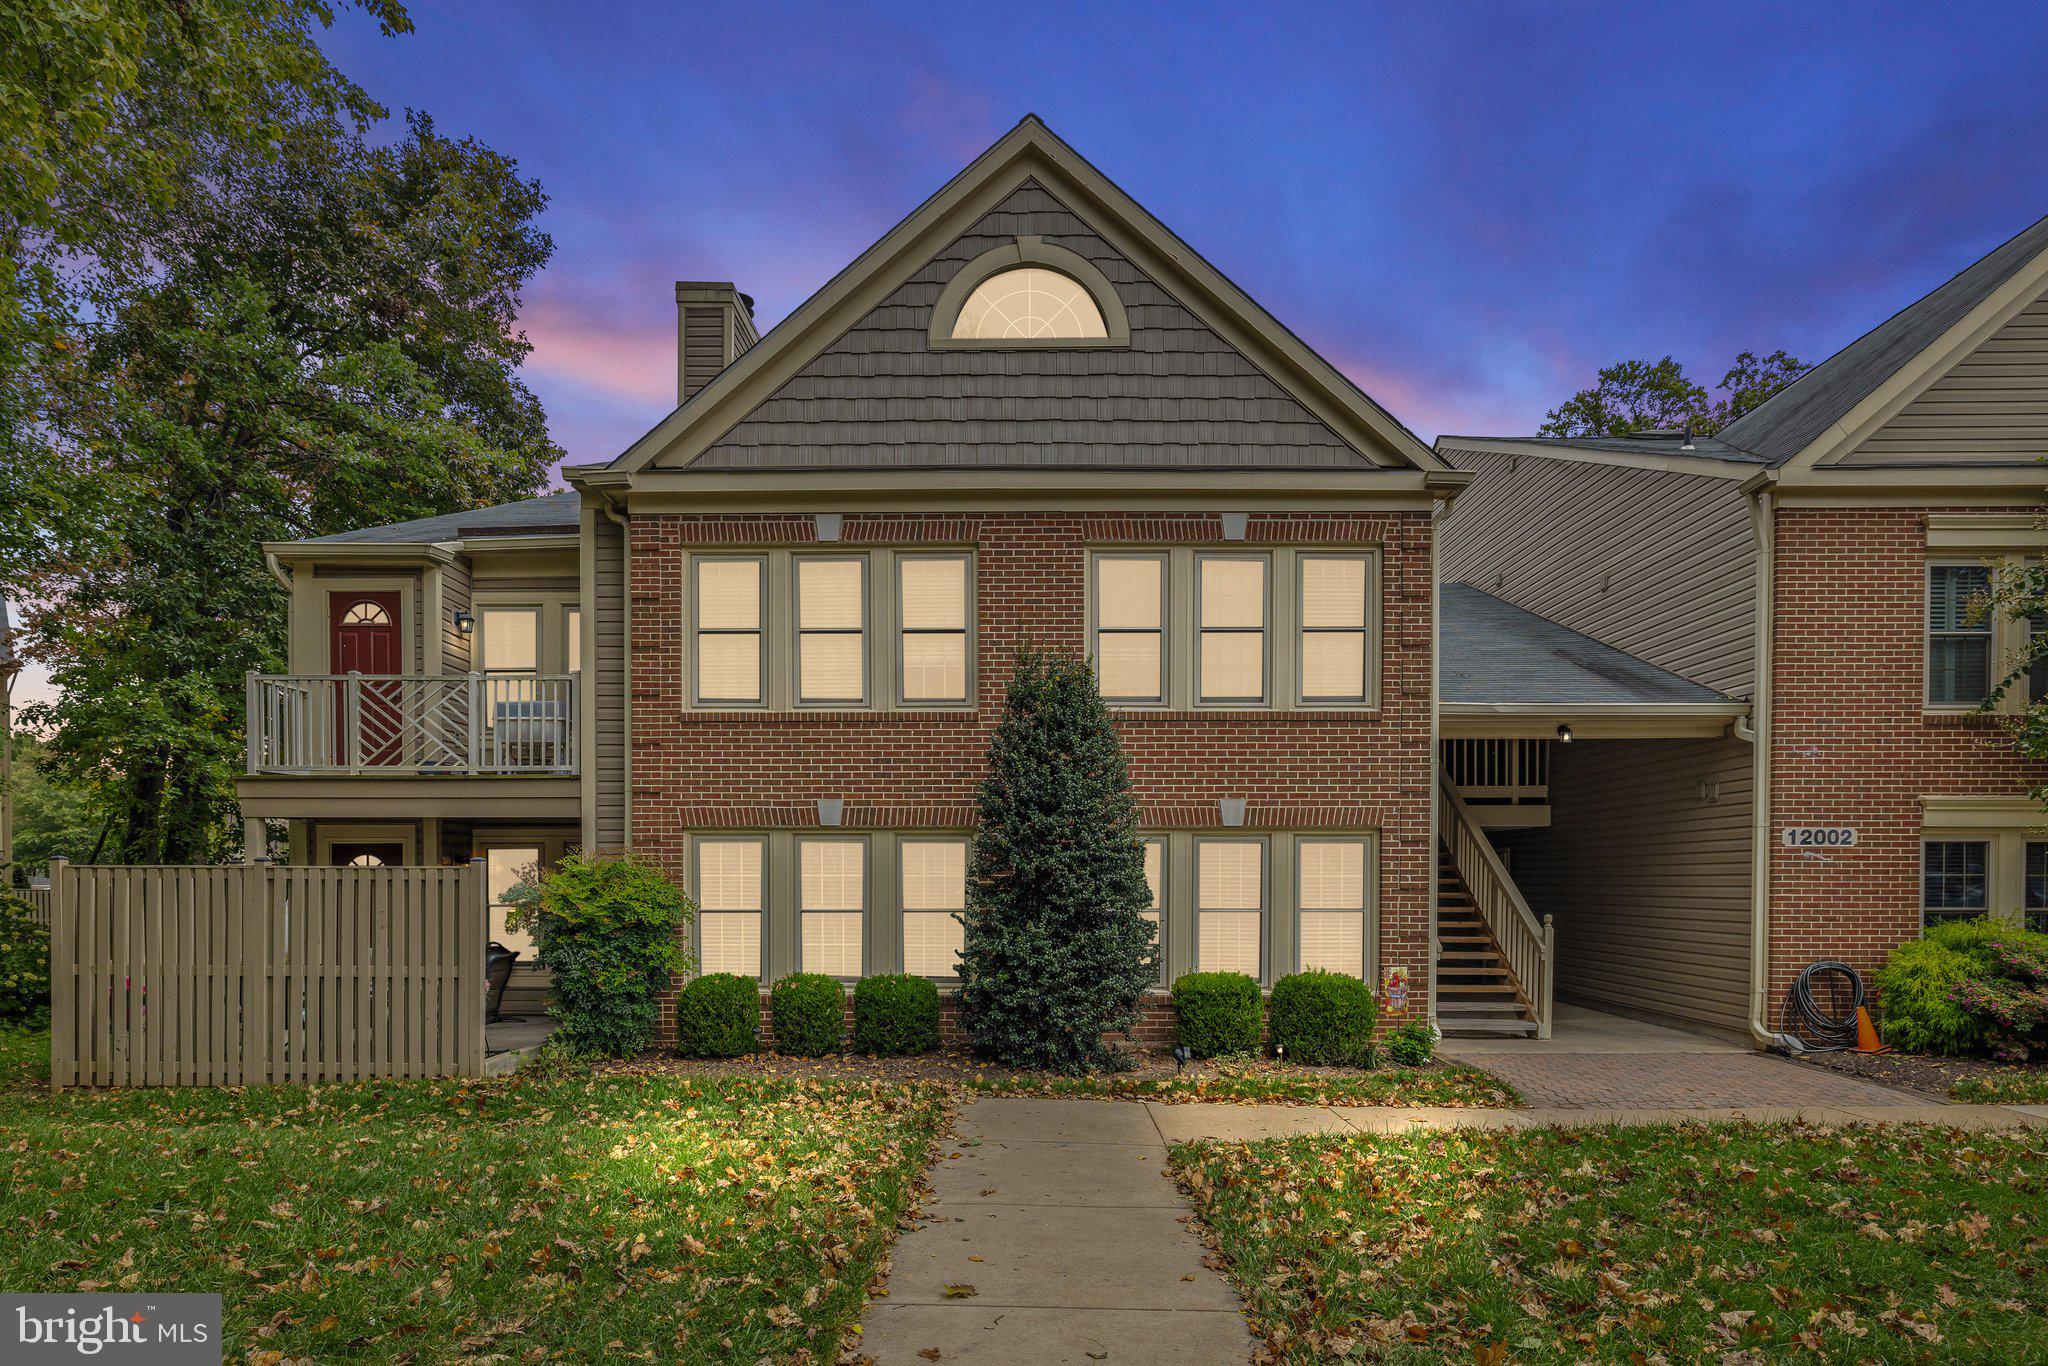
238, 976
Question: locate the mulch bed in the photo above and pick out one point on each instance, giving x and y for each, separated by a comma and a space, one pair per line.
1925, 1073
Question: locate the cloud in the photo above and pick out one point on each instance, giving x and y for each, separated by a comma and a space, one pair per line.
601, 350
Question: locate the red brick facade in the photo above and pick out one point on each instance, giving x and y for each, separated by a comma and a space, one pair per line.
1853, 743
702, 770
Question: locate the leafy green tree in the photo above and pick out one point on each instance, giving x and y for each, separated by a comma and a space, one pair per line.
1637, 396
51, 817
1056, 952
112, 114
325, 339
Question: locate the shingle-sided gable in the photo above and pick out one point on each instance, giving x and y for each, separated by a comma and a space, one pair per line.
881, 397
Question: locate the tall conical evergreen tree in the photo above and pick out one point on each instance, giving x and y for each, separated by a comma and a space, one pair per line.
1056, 952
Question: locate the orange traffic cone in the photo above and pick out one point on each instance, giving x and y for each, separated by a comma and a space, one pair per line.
1866, 1034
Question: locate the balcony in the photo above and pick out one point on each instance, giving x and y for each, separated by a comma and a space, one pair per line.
439, 725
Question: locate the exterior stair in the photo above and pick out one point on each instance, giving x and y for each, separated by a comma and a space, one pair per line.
1477, 995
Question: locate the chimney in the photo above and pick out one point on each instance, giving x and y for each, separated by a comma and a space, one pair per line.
714, 324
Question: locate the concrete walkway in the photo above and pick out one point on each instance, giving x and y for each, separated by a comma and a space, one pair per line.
1053, 1235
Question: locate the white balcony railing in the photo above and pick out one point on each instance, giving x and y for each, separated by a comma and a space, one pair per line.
459, 724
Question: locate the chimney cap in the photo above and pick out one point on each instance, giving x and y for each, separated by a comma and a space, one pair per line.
712, 291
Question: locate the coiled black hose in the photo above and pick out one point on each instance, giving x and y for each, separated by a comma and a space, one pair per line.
1821, 1028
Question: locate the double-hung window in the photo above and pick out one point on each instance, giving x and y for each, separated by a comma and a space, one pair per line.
2035, 906
1955, 880
1230, 605
1959, 635
1230, 905
1130, 627
1155, 887
511, 639
831, 630
730, 900
1336, 619
932, 610
1331, 901
729, 600
832, 903
934, 898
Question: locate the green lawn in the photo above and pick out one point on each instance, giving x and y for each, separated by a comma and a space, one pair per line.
562, 1215
2029, 1087
1736, 1243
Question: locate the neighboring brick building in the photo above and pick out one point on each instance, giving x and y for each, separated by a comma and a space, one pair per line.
1827, 544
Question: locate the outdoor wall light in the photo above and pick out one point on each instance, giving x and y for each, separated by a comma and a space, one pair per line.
464, 622
1564, 735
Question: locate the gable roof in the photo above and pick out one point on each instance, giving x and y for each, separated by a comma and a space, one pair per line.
1030, 152
1493, 652
1789, 423
1797, 415
552, 512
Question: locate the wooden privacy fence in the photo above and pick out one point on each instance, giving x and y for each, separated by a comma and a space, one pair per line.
211, 976
38, 899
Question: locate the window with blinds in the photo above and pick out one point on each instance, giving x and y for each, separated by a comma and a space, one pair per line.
1230, 604
1959, 634
934, 898
1955, 880
728, 602
1331, 900
511, 639
730, 900
1130, 627
1336, 621
932, 612
1155, 886
831, 630
1230, 904
832, 903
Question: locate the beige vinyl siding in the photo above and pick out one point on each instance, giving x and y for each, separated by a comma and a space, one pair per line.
606, 672
1647, 879
1654, 562
1990, 408
455, 597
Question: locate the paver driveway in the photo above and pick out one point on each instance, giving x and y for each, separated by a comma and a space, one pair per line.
1058, 1216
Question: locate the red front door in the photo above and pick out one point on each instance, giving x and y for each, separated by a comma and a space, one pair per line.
364, 640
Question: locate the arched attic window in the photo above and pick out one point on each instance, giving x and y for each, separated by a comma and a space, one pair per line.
1029, 294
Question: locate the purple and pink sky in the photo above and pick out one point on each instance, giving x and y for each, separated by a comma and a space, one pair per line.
1467, 208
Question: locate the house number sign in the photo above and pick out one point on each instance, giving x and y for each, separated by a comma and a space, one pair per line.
1820, 837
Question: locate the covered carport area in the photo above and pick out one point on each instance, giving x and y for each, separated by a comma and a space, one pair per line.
1617, 796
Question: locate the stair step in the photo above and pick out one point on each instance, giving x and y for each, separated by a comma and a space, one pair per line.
1472, 970
1467, 989
1486, 1029
1489, 1008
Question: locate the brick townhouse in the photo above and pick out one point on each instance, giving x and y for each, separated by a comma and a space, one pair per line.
1495, 724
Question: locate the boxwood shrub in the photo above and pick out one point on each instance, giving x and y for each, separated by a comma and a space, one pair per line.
718, 1016
1322, 1019
1216, 1013
809, 1013
895, 1014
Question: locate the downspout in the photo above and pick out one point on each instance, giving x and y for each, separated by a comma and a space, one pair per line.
277, 571
1762, 516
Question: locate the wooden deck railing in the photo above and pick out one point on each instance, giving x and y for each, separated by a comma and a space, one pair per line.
462, 724
1496, 770
1529, 945
233, 976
